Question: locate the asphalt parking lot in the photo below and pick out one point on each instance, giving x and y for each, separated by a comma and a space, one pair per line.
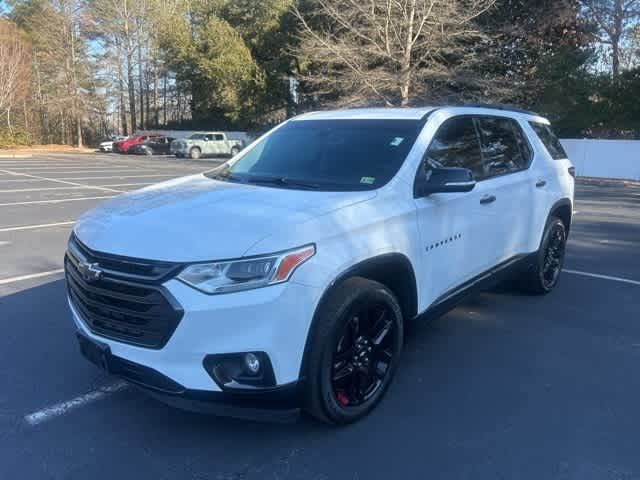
504, 386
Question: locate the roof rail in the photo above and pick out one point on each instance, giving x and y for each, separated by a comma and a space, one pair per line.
499, 107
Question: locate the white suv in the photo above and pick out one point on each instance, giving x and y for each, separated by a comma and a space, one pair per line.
284, 279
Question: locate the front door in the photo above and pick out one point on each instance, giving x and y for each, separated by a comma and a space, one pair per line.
459, 231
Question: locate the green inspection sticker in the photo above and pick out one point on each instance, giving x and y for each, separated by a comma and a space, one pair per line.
368, 180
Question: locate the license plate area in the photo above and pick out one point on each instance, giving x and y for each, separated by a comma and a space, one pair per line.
97, 353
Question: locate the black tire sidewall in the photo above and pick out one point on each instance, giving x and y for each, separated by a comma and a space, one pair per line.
375, 293
551, 225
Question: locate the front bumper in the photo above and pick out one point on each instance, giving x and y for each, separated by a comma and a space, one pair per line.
274, 320
280, 404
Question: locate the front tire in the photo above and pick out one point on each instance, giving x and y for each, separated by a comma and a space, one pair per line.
195, 153
355, 351
549, 260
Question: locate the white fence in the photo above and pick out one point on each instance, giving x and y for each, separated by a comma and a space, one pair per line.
605, 158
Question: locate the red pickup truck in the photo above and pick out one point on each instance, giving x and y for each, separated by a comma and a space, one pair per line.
126, 146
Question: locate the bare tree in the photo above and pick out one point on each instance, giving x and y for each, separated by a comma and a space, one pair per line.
14, 70
615, 21
387, 50
115, 23
61, 63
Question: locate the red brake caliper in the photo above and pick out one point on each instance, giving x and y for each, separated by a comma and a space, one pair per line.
342, 398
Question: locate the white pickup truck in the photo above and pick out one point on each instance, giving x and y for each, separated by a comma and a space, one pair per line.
206, 144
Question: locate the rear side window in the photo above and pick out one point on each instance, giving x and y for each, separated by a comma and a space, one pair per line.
218, 137
455, 144
549, 139
504, 148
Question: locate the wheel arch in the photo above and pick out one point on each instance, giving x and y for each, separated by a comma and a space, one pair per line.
562, 209
393, 270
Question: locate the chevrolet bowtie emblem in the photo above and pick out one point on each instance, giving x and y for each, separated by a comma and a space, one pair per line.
89, 271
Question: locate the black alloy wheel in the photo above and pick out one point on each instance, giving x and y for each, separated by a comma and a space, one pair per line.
354, 351
363, 355
553, 256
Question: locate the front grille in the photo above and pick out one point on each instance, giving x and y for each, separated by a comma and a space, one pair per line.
125, 302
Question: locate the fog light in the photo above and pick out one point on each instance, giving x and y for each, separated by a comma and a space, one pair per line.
240, 370
252, 363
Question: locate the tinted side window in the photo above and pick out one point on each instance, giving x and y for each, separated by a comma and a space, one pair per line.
218, 137
503, 148
456, 144
549, 139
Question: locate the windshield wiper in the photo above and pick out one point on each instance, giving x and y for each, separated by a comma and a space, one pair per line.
284, 182
225, 177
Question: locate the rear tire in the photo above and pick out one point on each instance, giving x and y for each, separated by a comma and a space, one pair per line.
355, 351
234, 151
544, 274
195, 153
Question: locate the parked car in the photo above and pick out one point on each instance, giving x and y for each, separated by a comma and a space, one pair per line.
153, 146
107, 145
285, 278
206, 144
126, 146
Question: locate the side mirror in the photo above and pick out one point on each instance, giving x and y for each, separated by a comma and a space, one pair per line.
444, 180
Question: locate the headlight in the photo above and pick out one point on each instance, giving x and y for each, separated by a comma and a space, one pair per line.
245, 274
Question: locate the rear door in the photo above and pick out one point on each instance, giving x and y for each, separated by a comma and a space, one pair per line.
505, 175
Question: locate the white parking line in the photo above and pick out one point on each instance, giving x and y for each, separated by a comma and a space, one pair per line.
22, 278
76, 170
61, 408
128, 184
36, 165
167, 175
24, 180
56, 167
24, 190
602, 277
38, 177
62, 200
35, 227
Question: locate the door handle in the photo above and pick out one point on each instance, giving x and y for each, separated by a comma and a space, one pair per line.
541, 183
487, 199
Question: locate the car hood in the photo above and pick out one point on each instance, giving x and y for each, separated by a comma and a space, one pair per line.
196, 218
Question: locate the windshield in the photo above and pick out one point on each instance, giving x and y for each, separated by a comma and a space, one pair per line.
327, 154
197, 136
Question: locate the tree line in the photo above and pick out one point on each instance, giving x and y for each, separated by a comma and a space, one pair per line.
77, 71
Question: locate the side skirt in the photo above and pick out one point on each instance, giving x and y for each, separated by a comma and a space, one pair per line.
483, 282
